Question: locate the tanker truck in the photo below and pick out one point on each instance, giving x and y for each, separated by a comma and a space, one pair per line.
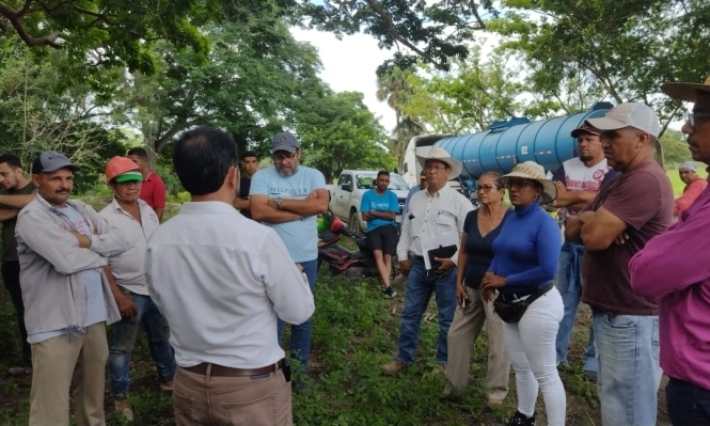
503, 145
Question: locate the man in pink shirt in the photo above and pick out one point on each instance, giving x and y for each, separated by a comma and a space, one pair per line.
680, 279
694, 185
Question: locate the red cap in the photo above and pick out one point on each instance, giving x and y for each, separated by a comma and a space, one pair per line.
585, 128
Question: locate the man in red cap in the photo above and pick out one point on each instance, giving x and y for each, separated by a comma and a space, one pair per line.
126, 273
577, 180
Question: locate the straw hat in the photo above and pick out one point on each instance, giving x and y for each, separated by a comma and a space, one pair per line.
685, 91
533, 171
440, 154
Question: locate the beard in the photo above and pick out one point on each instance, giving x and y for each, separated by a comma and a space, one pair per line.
585, 158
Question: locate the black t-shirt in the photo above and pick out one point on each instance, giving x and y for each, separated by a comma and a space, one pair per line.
479, 249
244, 187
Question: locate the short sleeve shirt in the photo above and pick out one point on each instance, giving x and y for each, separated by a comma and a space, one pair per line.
578, 177
153, 191
299, 236
372, 201
9, 241
643, 198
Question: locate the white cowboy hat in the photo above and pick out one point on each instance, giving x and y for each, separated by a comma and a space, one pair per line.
440, 154
532, 170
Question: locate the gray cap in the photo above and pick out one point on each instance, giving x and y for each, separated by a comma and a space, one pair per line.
285, 141
51, 161
687, 165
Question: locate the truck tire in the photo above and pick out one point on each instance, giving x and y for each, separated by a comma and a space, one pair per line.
354, 223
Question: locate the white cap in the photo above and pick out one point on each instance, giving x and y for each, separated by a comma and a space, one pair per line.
687, 165
629, 114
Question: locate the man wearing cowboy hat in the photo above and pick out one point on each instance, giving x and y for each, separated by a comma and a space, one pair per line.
680, 279
126, 275
438, 210
627, 212
694, 185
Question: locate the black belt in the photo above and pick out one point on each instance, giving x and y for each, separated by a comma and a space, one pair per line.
222, 371
538, 292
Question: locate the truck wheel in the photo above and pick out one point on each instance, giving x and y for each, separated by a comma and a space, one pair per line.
355, 223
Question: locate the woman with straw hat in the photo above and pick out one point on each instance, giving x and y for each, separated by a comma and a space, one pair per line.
525, 260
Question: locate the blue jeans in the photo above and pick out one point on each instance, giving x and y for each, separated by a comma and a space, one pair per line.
420, 286
123, 340
301, 333
688, 404
571, 293
629, 370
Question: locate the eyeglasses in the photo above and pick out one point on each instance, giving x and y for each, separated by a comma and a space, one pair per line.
281, 158
485, 188
693, 117
519, 183
434, 168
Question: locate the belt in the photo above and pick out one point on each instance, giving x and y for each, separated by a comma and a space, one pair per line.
222, 371
417, 257
517, 296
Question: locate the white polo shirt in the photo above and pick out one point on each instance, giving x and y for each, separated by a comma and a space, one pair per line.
220, 281
129, 268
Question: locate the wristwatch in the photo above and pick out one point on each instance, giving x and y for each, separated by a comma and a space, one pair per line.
277, 202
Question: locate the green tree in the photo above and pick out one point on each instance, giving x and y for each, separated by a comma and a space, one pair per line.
675, 149
338, 131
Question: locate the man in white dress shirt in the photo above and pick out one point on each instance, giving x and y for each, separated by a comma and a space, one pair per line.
433, 212
221, 281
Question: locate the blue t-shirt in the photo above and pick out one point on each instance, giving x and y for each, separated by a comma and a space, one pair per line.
527, 250
299, 236
91, 278
372, 201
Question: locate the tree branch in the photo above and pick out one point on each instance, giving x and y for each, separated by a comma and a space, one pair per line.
474, 9
15, 19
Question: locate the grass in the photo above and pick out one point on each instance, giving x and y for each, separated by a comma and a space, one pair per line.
355, 331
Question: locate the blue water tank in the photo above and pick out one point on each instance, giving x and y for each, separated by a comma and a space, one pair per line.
508, 143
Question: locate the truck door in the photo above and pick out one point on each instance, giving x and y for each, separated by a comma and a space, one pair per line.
341, 197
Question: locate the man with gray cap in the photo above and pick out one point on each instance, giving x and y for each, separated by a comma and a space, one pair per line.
287, 197
694, 185
627, 212
63, 247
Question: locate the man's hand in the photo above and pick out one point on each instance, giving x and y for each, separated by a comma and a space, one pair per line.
492, 281
84, 241
126, 306
461, 294
405, 266
446, 264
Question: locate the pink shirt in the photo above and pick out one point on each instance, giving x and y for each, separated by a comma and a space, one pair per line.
690, 193
674, 268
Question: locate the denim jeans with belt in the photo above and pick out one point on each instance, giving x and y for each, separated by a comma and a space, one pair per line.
629, 369
420, 286
123, 340
301, 333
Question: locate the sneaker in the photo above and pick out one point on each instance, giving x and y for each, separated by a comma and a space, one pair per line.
122, 406
20, 371
167, 387
520, 419
389, 292
394, 367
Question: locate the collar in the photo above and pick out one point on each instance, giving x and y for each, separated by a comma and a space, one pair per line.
438, 193
44, 203
524, 211
117, 206
147, 177
207, 207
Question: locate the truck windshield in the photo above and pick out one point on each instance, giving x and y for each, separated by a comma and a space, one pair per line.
367, 181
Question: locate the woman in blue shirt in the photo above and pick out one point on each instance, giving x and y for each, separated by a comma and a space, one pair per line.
481, 228
526, 254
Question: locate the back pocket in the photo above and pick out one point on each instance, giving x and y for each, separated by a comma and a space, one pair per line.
258, 412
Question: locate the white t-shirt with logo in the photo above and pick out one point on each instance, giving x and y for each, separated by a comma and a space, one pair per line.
578, 177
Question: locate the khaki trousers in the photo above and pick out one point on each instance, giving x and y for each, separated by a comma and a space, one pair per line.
464, 331
55, 362
202, 400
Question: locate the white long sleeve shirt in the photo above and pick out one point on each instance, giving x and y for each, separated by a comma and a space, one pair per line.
430, 216
221, 280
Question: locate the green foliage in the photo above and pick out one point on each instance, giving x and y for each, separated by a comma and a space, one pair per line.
338, 131
675, 149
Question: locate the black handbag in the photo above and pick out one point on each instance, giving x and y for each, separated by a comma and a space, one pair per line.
441, 253
512, 311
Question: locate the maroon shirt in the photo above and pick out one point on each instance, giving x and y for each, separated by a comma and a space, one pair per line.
643, 198
153, 191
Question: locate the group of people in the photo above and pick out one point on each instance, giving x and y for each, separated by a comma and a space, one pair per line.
213, 288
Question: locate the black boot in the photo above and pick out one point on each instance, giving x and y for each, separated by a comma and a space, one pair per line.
520, 419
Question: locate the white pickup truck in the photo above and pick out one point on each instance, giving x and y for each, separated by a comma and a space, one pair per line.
345, 197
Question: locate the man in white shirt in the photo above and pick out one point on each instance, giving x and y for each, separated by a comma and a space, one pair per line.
126, 274
221, 281
438, 210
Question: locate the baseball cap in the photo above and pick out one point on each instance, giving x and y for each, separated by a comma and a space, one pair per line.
585, 128
285, 141
629, 114
685, 91
687, 165
51, 161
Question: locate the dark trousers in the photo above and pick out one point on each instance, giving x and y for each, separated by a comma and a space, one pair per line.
688, 404
11, 278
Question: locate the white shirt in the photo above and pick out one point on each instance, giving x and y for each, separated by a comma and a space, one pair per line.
129, 267
221, 280
579, 177
430, 216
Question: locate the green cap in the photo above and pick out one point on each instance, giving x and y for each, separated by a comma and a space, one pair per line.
129, 177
